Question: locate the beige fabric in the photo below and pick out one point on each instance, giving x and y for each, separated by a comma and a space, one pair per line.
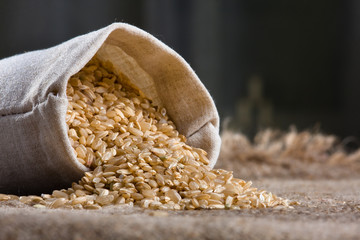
36, 155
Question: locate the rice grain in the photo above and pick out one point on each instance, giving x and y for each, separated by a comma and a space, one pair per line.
136, 155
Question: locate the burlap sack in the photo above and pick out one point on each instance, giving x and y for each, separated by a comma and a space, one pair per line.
35, 153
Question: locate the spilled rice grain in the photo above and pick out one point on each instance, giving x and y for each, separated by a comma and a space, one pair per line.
136, 156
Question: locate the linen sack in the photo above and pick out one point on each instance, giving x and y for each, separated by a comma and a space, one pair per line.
35, 152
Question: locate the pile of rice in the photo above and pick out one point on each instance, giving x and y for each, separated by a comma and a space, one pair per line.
136, 156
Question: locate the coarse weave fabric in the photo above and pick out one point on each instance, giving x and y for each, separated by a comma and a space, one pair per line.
35, 152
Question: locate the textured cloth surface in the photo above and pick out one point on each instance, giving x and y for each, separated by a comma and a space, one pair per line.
330, 209
36, 155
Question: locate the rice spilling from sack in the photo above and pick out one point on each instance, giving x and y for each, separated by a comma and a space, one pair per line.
136, 156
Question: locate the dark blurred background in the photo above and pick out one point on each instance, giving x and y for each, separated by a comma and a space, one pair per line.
266, 63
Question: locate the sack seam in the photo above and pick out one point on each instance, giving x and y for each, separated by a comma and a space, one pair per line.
34, 106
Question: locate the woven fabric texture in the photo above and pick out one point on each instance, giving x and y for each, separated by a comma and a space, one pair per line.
36, 155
